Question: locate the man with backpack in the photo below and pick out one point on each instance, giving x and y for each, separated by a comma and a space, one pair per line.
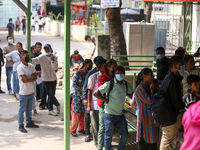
167, 103
116, 90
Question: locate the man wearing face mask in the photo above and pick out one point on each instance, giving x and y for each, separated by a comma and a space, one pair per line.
162, 64
27, 75
113, 115
49, 64
9, 64
172, 89
11, 27
92, 101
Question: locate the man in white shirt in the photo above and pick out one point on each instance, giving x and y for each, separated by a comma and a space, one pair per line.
27, 75
49, 64
7, 49
92, 100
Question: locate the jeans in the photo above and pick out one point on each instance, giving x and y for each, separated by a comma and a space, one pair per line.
120, 123
87, 121
33, 106
8, 77
50, 88
15, 83
25, 104
101, 128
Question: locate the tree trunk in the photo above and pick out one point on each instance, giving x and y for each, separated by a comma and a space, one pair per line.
116, 33
149, 11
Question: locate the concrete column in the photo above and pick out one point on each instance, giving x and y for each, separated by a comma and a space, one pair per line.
195, 25
103, 46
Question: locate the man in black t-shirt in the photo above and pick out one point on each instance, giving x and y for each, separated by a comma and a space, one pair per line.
1, 64
162, 64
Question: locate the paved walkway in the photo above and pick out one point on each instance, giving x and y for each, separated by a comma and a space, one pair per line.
50, 134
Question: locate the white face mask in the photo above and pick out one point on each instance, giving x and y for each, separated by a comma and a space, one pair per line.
119, 77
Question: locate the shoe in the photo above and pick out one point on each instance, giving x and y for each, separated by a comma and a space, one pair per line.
39, 100
52, 113
87, 138
2, 92
58, 109
31, 125
22, 129
10, 92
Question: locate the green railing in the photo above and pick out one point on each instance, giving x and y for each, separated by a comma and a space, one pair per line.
136, 61
136, 67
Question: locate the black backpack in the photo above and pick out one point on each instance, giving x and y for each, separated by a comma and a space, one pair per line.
161, 109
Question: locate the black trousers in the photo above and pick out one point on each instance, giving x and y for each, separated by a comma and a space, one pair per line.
24, 29
142, 145
0, 76
87, 122
43, 102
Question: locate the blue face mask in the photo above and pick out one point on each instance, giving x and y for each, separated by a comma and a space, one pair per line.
182, 69
10, 21
49, 53
119, 77
10, 41
160, 56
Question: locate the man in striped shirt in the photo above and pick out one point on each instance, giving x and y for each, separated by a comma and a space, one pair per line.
193, 83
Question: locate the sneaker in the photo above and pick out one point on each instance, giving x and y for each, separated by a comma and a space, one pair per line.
22, 129
10, 92
51, 112
31, 125
2, 92
58, 109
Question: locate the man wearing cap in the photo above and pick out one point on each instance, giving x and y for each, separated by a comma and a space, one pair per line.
49, 64
76, 58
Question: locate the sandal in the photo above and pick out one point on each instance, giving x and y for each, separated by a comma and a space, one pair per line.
74, 134
83, 132
87, 138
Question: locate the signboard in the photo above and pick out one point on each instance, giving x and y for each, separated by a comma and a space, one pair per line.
110, 3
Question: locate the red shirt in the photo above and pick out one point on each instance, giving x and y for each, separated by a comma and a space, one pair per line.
76, 58
102, 79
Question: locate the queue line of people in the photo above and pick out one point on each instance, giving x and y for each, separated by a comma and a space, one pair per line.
177, 78
40, 74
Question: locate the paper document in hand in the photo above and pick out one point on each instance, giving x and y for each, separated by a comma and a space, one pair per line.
39, 80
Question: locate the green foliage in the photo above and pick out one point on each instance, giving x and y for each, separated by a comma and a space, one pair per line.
95, 20
52, 16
